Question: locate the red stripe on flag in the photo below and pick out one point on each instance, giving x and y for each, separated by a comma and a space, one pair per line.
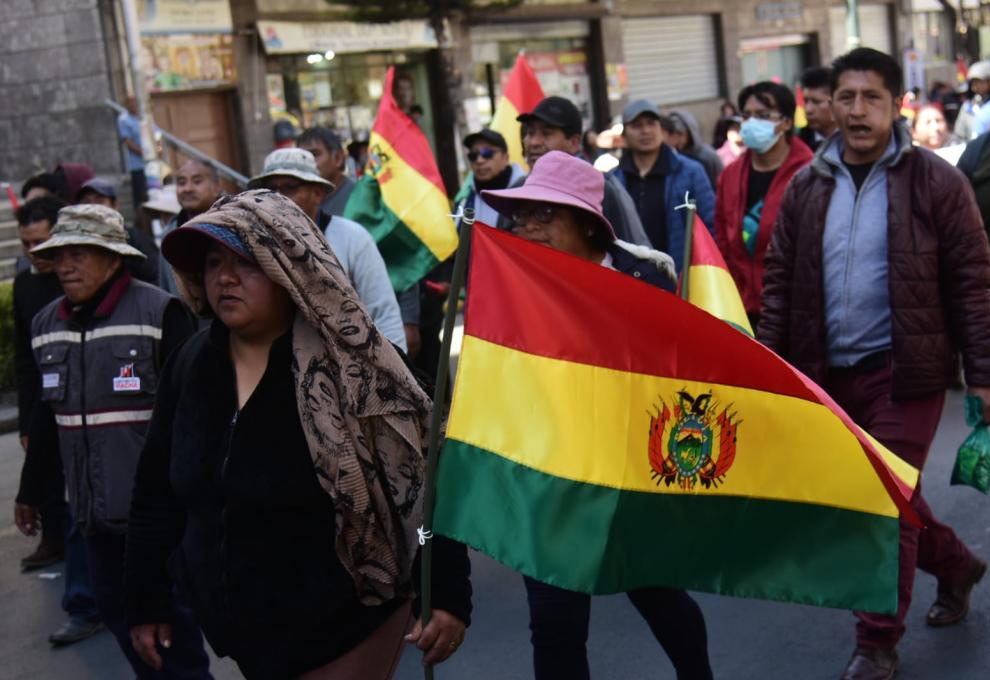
405, 137
535, 299
703, 248
523, 89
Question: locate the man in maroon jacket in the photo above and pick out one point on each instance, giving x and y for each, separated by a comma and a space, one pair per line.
877, 276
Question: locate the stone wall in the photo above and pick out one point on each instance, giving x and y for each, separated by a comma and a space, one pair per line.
53, 80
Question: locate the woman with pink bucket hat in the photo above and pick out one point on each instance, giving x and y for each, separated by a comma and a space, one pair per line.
560, 206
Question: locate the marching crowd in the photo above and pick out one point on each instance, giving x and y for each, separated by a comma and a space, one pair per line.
223, 433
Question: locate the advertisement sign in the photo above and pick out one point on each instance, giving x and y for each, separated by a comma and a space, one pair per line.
186, 61
287, 37
184, 16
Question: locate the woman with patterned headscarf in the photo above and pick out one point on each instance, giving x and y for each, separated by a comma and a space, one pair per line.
280, 485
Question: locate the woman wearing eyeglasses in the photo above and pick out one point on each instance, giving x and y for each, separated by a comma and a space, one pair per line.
751, 187
490, 169
281, 479
560, 206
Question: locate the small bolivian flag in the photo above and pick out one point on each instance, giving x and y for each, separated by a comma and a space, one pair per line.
710, 285
522, 93
400, 198
606, 435
800, 111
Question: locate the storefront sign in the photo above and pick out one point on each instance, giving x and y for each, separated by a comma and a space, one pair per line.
284, 37
184, 16
779, 11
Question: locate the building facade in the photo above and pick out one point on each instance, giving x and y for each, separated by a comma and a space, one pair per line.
57, 66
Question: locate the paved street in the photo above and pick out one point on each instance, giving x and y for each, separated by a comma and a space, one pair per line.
748, 639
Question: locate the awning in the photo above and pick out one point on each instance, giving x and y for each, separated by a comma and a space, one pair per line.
289, 37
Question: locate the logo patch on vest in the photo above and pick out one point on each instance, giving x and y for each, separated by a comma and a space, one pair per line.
49, 381
127, 382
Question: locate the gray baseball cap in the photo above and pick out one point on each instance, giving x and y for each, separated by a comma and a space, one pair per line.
637, 108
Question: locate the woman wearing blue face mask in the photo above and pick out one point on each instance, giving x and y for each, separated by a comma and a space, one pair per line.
750, 188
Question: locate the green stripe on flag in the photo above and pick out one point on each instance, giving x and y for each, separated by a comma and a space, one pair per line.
407, 258
600, 540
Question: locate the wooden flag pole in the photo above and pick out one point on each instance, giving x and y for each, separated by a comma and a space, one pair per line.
436, 419
690, 210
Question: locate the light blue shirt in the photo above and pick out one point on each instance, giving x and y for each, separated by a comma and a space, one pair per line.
358, 255
854, 259
129, 127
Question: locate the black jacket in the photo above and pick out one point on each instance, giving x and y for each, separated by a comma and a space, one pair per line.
32, 292
231, 502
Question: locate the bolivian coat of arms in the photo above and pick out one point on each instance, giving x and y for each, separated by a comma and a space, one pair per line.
695, 441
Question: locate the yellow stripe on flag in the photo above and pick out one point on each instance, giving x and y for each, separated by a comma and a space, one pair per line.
591, 424
417, 202
713, 289
504, 122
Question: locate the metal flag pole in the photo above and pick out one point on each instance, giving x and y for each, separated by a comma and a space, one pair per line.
436, 419
690, 210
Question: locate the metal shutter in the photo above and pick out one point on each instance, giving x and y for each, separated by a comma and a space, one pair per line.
874, 28
671, 60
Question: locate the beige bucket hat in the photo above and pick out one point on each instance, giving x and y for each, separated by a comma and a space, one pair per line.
88, 225
291, 162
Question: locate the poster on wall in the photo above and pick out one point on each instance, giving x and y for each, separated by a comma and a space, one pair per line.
186, 61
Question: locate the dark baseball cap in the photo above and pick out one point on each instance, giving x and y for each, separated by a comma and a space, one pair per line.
97, 186
637, 108
486, 135
556, 112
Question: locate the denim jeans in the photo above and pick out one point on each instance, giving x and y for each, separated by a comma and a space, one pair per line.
78, 600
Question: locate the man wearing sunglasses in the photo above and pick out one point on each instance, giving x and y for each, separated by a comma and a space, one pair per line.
555, 125
490, 169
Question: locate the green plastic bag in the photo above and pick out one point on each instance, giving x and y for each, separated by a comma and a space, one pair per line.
973, 458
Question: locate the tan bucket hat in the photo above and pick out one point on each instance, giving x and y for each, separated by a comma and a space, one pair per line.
88, 225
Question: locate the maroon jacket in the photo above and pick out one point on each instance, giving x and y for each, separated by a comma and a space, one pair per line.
730, 207
939, 276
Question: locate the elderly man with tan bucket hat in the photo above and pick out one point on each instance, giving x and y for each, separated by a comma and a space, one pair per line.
99, 349
294, 174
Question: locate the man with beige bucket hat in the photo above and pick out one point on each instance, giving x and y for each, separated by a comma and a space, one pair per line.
99, 349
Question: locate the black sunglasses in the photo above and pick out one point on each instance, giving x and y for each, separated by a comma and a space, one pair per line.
543, 214
485, 152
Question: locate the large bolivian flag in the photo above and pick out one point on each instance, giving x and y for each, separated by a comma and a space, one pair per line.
605, 436
400, 198
522, 93
710, 285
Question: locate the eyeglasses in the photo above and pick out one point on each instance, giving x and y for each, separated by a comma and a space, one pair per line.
761, 115
485, 152
543, 214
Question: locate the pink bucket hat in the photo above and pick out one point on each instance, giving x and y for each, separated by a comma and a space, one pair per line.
558, 178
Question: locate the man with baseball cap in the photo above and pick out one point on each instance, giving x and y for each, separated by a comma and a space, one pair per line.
555, 125
490, 170
293, 173
99, 349
658, 179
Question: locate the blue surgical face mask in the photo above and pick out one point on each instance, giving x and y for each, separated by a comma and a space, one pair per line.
759, 135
